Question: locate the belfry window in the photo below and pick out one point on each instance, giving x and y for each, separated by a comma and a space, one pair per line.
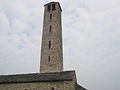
49, 44
49, 7
50, 28
50, 16
53, 7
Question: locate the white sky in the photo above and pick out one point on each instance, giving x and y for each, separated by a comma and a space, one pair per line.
91, 38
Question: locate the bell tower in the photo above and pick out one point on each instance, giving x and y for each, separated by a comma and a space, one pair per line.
51, 49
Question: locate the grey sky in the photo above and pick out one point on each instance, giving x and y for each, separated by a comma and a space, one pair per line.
91, 39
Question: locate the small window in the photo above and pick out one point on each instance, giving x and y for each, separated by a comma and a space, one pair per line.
49, 44
52, 88
50, 16
49, 7
49, 58
53, 6
50, 28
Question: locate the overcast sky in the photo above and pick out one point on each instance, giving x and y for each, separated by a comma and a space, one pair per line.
91, 39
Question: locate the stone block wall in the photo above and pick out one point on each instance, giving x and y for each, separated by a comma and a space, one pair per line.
61, 85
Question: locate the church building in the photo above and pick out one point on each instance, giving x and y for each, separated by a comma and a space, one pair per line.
51, 76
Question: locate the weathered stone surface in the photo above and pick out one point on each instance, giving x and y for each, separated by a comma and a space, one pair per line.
39, 81
38, 77
52, 57
38, 86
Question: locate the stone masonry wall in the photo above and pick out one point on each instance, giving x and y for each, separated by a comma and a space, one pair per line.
63, 85
52, 58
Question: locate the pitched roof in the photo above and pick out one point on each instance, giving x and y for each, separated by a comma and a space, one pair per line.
78, 87
37, 77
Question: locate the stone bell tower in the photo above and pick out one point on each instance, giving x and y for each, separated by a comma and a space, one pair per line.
51, 49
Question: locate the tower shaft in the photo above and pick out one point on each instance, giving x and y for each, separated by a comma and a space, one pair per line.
51, 49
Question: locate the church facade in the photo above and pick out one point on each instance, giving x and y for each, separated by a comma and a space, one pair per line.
51, 76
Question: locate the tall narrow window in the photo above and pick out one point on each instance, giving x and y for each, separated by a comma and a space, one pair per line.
53, 6
49, 44
52, 88
49, 7
49, 58
50, 29
50, 16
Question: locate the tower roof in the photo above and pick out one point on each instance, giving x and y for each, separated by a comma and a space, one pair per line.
54, 3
